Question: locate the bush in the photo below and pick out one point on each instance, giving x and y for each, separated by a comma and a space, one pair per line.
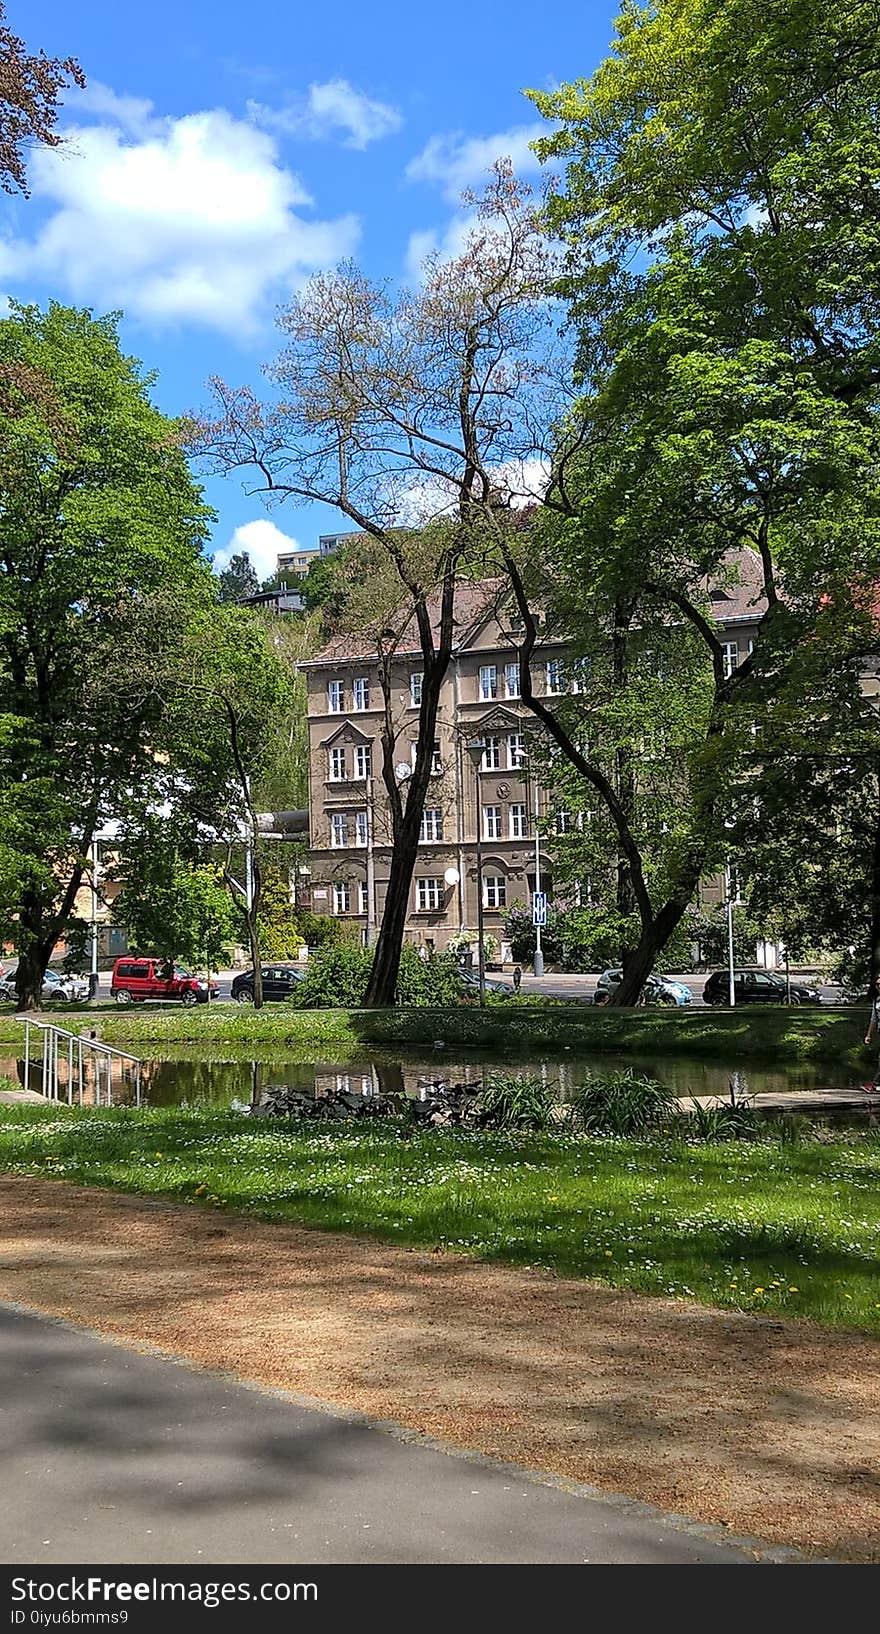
515, 1101
623, 1103
337, 979
711, 1123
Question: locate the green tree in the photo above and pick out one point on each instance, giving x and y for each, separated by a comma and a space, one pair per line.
722, 257
238, 580
29, 88
98, 516
170, 906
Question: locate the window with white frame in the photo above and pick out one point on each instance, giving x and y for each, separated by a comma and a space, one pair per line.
361, 828
583, 892
491, 754
363, 760
562, 822
730, 657
436, 762
515, 750
429, 895
432, 824
580, 670
488, 682
511, 680
341, 896
519, 822
336, 697
494, 891
363, 898
338, 771
492, 822
360, 693
555, 676
415, 687
339, 830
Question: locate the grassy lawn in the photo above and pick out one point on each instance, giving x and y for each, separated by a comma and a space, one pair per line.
770, 1227
508, 1030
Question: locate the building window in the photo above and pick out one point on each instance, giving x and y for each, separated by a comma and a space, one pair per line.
336, 697
491, 754
519, 822
583, 893
436, 762
363, 899
361, 693
338, 771
511, 680
488, 682
429, 895
580, 670
362, 828
415, 687
494, 891
341, 897
363, 761
339, 831
432, 824
562, 822
555, 676
492, 822
730, 657
515, 750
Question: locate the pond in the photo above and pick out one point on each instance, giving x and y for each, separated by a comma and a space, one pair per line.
233, 1075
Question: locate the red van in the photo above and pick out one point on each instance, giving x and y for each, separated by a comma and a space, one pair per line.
136, 980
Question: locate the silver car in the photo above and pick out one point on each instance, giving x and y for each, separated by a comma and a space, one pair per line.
65, 988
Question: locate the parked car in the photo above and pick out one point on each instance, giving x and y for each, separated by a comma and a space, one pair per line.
756, 987
470, 981
70, 989
135, 980
657, 990
279, 981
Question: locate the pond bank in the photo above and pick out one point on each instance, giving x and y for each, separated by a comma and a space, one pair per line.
509, 1031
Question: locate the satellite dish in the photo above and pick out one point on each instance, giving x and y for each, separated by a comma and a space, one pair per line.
402, 771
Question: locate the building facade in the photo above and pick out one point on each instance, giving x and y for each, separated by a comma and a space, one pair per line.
500, 799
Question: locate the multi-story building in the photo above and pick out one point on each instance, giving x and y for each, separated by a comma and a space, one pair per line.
296, 562
479, 703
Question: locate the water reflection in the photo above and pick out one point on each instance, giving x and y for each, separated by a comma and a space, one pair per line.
192, 1076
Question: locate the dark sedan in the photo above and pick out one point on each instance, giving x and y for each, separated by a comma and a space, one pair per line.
756, 987
279, 982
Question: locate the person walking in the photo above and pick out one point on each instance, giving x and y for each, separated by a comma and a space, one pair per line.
874, 1030
517, 978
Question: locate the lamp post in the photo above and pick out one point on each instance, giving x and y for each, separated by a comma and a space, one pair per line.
538, 961
476, 750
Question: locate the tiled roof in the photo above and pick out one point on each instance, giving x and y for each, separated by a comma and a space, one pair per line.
474, 599
738, 594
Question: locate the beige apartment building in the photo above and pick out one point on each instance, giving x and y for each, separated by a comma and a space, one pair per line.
480, 703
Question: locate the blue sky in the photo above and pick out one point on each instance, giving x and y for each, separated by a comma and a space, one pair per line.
220, 155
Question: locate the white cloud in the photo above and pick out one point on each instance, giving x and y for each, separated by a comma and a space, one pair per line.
132, 113
447, 245
330, 107
190, 219
458, 162
262, 541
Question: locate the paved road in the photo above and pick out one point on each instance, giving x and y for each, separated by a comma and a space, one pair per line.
113, 1456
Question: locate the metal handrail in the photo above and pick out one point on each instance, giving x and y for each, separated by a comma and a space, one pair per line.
80, 1038
52, 1036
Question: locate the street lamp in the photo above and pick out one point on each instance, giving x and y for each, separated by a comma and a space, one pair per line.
476, 749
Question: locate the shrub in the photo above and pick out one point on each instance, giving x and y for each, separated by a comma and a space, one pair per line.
712, 1123
515, 1101
337, 978
623, 1103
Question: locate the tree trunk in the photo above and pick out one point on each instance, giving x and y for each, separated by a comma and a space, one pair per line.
382, 985
875, 911
639, 962
31, 962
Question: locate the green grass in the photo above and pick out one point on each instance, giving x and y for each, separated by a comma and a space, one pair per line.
508, 1031
763, 1227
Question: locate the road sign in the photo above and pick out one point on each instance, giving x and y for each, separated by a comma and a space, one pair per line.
539, 907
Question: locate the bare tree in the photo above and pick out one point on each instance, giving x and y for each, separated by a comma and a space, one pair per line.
29, 87
401, 411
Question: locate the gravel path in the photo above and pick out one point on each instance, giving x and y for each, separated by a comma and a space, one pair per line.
768, 1427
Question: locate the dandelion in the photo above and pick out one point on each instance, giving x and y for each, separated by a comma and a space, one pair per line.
793, 1290
757, 1290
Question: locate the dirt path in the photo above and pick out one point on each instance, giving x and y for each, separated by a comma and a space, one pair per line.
770, 1427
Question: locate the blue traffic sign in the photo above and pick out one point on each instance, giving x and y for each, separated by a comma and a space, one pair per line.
539, 907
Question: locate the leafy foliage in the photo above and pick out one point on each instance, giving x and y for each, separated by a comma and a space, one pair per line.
337, 978
239, 579
622, 1103
516, 1101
